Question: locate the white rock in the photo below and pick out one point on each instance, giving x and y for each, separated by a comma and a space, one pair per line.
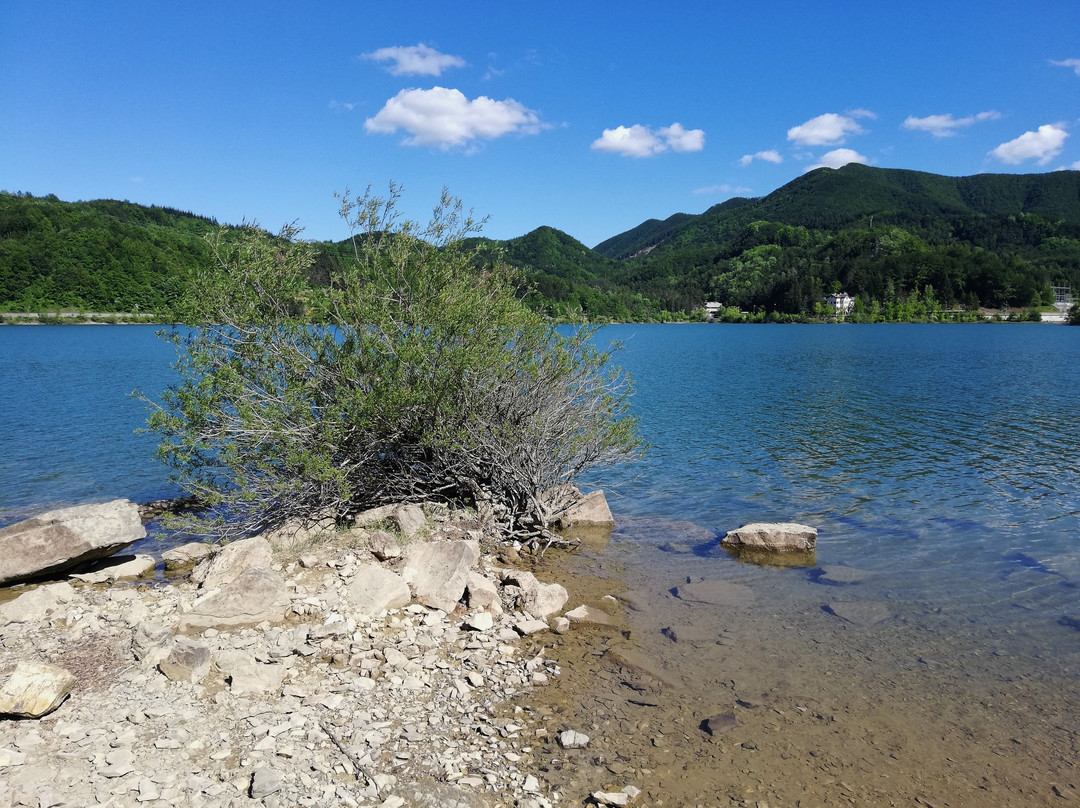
35, 689
571, 739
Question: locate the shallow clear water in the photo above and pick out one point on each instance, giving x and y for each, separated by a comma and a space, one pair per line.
914, 449
944, 456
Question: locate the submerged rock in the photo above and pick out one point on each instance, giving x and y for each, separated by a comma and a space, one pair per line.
860, 613
715, 593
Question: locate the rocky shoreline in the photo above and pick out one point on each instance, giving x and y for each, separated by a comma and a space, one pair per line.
389, 665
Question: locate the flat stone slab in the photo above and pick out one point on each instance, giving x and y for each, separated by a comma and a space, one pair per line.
59, 540
233, 559
36, 604
118, 567
375, 588
253, 596
773, 536
715, 593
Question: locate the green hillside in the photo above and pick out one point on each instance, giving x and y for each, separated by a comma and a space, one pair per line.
906, 244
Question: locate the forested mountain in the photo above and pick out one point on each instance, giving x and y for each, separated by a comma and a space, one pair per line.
904, 243
102, 256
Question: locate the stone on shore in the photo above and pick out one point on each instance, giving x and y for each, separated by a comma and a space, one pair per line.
246, 675
572, 739
35, 689
776, 537
253, 596
374, 589
233, 559
56, 541
539, 600
150, 642
383, 546
36, 604
185, 555
118, 567
187, 661
438, 572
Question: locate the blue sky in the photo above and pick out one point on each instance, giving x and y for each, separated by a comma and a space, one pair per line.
587, 116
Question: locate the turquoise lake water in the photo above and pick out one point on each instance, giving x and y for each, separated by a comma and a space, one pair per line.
913, 448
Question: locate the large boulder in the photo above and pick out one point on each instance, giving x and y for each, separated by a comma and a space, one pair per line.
375, 588
774, 537
253, 596
56, 541
438, 571
234, 558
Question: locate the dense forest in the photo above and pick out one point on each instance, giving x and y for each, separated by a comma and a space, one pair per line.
907, 245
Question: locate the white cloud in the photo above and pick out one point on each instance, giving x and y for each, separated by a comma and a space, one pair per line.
829, 129
1071, 63
444, 117
946, 125
683, 140
415, 60
341, 106
722, 189
862, 113
769, 156
1042, 145
641, 141
837, 158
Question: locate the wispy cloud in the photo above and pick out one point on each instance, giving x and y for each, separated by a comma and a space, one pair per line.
1073, 64
829, 129
769, 156
1042, 145
641, 141
445, 118
837, 158
414, 60
722, 189
341, 106
946, 125
862, 113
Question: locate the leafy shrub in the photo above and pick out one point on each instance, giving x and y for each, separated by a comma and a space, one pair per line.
416, 373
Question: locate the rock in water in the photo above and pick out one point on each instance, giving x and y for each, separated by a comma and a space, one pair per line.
591, 509
35, 689
777, 537
58, 540
716, 593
